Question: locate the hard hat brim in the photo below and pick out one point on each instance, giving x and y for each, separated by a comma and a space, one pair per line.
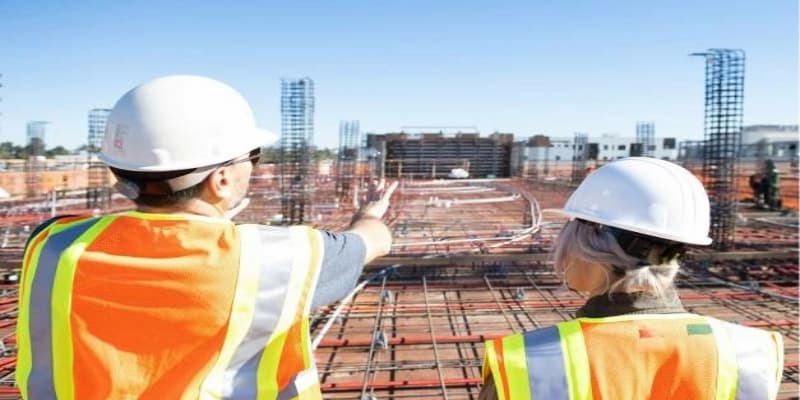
702, 241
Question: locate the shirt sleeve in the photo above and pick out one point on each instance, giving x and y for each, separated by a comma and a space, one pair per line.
342, 263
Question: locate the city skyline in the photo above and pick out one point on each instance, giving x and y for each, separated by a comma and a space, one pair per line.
529, 69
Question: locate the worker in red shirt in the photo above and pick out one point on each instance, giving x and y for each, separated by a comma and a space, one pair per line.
173, 300
629, 222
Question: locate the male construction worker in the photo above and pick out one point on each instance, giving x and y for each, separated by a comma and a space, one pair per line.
173, 300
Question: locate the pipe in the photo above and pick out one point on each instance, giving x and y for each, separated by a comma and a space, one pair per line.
344, 302
408, 340
538, 303
407, 384
448, 339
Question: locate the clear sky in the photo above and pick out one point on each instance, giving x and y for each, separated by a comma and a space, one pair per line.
527, 67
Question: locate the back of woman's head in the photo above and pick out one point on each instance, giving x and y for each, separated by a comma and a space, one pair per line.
632, 218
651, 269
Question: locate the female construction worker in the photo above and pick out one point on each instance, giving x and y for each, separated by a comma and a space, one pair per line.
629, 222
173, 300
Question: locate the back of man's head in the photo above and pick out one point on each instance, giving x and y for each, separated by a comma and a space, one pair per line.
165, 136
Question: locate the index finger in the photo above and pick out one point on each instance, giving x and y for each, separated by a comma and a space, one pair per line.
388, 193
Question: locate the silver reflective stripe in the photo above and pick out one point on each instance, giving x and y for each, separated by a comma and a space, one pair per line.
300, 382
40, 380
756, 361
276, 255
545, 359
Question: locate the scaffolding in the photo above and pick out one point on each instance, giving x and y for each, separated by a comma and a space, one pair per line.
347, 159
297, 137
1, 100
724, 99
98, 191
645, 136
539, 156
35, 161
580, 150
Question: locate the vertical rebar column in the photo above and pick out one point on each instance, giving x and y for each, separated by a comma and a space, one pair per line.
724, 99
98, 191
645, 135
540, 153
579, 151
297, 134
347, 158
1, 113
35, 162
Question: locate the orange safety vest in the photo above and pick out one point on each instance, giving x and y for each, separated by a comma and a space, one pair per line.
161, 306
626, 357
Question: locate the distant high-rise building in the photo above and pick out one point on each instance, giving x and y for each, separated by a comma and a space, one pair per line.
1, 99
97, 128
347, 157
297, 136
645, 138
36, 132
297, 112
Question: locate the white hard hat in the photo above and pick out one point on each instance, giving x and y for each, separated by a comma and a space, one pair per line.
180, 122
644, 195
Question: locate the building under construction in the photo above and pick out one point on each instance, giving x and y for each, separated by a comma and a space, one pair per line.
432, 155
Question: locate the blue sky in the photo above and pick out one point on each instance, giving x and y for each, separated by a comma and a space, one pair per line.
527, 67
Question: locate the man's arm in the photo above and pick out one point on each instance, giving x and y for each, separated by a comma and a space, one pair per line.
368, 225
347, 252
341, 266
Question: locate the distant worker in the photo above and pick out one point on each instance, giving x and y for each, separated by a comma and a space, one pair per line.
173, 300
772, 186
630, 221
755, 186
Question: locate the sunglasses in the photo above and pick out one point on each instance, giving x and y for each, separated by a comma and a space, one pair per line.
254, 157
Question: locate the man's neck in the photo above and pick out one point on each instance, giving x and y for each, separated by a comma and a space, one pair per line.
191, 206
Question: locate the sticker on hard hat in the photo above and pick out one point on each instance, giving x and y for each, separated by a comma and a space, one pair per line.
119, 137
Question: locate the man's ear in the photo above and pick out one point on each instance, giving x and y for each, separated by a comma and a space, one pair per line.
218, 184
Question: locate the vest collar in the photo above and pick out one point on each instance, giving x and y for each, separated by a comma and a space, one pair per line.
606, 305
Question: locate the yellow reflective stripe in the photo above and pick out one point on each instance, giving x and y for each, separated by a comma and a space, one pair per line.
31, 260
727, 369
576, 360
268, 367
778, 339
269, 363
24, 357
315, 262
516, 367
488, 352
494, 371
61, 306
242, 311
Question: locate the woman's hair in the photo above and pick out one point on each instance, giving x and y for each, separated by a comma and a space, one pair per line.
595, 244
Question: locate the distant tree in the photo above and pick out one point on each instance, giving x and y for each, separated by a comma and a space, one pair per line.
324, 154
35, 147
57, 151
270, 155
6, 150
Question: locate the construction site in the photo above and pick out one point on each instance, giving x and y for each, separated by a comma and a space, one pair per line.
471, 257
